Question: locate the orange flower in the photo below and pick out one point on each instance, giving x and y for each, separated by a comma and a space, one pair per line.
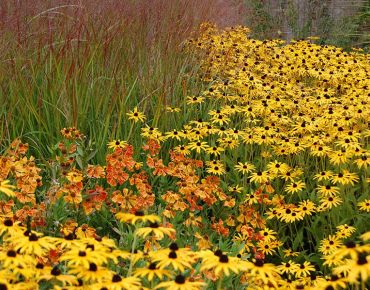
84, 231
220, 229
69, 227
152, 146
73, 197
95, 171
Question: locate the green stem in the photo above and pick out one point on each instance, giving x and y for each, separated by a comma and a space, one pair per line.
219, 283
132, 253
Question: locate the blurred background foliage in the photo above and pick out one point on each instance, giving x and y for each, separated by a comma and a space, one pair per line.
344, 23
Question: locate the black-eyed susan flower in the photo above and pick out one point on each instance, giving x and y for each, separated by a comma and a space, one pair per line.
10, 259
183, 149
156, 230
7, 225
215, 150
364, 205
303, 270
215, 167
82, 257
57, 275
245, 167
345, 177
330, 244
329, 202
118, 283
327, 190
136, 116
346, 230
190, 100
93, 273
295, 187
323, 175
7, 188
356, 269
259, 269
260, 177
33, 243
151, 272
174, 260
173, 109
180, 283
117, 144
138, 216
287, 267
268, 234
222, 265
198, 146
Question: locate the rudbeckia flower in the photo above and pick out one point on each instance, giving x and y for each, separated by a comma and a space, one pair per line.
6, 188
136, 116
156, 230
151, 272
138, 216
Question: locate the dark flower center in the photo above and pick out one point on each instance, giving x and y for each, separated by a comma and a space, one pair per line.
8, 223
218, 253
350, 244
11, 254
116, 278
69, 237
152, 266
259, 263
174, 247
362, 259
39, 266
154, 225
33, 238
224, 259
139, 213
172, 255
82, 254
180, 279
93, 267
3, 287
56, 271
334, 278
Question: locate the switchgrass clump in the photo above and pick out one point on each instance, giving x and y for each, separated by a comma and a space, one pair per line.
73, 63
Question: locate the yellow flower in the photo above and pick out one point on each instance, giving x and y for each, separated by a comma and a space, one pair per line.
180, 283
194, 100
260, 177
244, 168
364, 205
295, 187
136, 115
92, 273
157, 231
221, 264
6, 188
138, 216
117, 144
151, 272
